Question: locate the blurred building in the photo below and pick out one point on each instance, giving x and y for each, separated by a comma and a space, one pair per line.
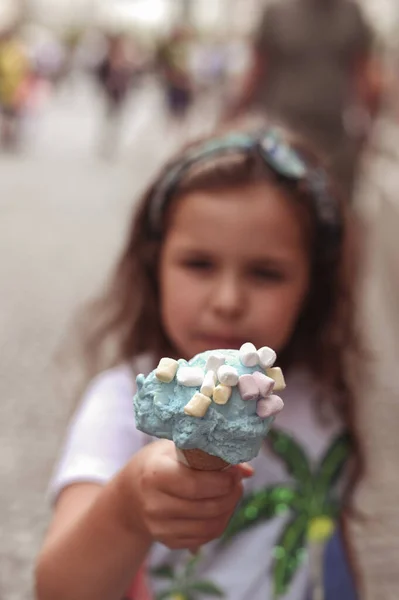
233, 16
225, 15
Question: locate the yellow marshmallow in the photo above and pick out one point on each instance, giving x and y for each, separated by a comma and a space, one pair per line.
277, 374
198, 405
222, 394
166, 370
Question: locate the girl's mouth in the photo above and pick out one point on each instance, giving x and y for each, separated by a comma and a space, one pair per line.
222, 342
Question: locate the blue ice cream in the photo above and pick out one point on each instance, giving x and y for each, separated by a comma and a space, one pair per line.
232, 431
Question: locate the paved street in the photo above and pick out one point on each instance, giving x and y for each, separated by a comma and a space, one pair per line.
63, 215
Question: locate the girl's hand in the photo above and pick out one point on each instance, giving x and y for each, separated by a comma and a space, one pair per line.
175, 505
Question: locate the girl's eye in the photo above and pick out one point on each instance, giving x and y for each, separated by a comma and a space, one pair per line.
268, 274
198, 264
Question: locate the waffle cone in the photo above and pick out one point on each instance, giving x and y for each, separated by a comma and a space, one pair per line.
200, 460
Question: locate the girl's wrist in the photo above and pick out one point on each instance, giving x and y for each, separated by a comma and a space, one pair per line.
127, 512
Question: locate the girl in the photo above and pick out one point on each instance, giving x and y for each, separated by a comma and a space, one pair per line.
240, 238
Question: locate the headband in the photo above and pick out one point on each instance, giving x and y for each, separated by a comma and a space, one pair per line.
281, 158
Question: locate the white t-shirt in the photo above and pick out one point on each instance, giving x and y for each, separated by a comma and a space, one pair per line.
102, 437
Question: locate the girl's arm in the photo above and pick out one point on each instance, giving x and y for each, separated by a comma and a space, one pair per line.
89, 552
101, 535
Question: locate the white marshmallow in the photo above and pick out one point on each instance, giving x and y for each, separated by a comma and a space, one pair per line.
166, 370
248, 355
198, 405
214, 361
267, 357
228, 375
208, 385
277, 374
190, 376
222, 394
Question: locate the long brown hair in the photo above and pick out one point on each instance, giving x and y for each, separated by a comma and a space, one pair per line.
126, 322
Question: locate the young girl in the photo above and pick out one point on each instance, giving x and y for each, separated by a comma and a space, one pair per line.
240, 238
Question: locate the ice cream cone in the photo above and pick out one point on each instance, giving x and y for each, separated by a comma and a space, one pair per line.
200, 460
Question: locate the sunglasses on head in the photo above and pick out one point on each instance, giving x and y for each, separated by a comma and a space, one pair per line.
283, 160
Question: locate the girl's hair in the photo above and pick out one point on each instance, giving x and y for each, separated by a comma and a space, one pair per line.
126, 322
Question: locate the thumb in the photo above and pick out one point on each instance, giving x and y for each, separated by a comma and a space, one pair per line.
243, 471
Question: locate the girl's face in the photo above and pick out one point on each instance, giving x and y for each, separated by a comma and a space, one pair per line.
234, 268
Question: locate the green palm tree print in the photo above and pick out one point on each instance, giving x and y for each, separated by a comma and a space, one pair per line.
312, 500
185, 586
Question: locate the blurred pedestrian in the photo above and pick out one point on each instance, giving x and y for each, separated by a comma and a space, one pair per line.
315, 70
114, 74
14, 87
173, 62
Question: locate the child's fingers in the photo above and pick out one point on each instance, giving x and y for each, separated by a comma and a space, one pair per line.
243, 470
180, 481
190, 534
164, 507
166, 474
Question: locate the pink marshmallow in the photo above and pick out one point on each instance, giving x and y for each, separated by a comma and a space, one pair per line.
264, 383
268, 407
248, 387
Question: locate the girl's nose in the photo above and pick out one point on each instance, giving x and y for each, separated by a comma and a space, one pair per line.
228, 296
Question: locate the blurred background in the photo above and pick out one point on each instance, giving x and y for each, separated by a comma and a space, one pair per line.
94, 94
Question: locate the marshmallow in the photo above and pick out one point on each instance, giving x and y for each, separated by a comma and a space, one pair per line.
190, 376
268, 407
277, 374
248, 387
264, 383
249, 355
222, 394
198, 405
166, 370
214, 361
208, 385
267, 357
228, 375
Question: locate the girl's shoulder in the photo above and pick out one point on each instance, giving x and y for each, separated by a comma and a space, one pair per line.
102, 434
121, 378
108, 399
